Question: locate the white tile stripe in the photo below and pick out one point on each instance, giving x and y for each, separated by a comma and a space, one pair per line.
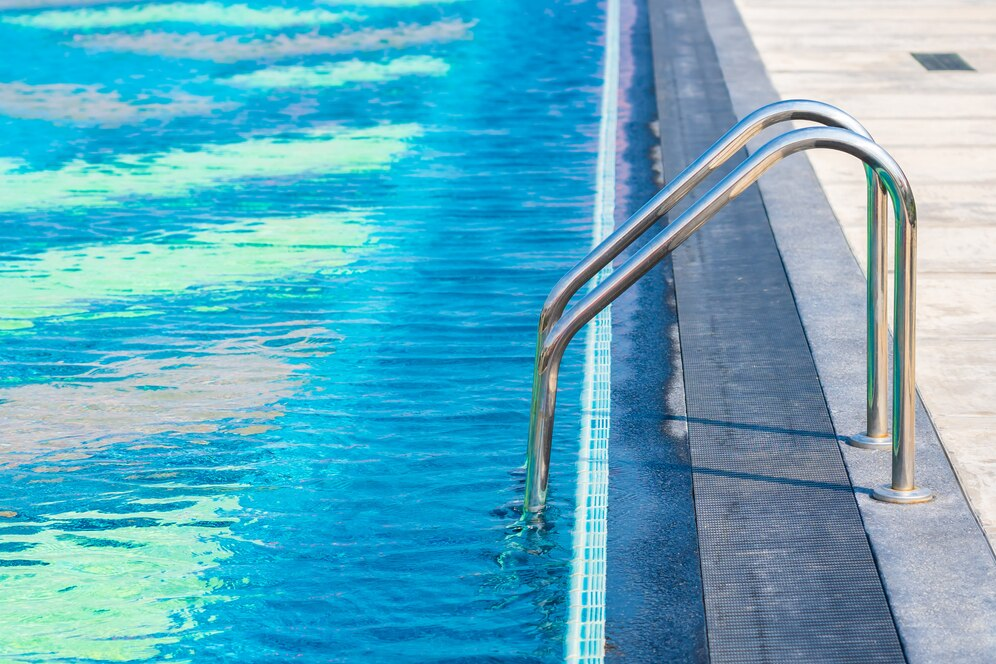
586, 614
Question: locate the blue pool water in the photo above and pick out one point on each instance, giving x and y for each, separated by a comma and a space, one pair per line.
268, 288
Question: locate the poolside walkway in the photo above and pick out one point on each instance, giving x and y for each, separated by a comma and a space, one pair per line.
797, 559
941, 126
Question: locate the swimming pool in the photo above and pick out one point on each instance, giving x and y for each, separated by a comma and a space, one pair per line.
267, 304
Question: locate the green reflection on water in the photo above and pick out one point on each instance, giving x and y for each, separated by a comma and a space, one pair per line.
65, 282
341, 73
205, 13
179, 172
117, 594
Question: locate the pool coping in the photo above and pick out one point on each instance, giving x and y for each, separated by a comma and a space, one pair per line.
937, 566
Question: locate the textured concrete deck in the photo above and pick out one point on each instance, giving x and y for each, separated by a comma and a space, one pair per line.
941, 127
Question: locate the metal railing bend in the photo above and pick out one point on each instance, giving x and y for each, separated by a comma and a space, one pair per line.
558, 325
876, 434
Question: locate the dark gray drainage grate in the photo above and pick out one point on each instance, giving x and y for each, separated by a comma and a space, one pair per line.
942, 62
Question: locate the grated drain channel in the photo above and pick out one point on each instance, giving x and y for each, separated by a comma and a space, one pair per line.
942, 62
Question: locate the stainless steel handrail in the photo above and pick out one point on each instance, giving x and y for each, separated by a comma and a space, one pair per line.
890, 175
876, 435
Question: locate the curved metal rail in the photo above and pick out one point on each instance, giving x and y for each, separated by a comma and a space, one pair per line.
876, 435
891, 177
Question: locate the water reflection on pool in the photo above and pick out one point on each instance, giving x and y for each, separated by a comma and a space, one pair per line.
268, 288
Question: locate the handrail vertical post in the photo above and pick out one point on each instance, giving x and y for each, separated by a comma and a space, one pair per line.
905, 342
541, 418
876, 435
903, 488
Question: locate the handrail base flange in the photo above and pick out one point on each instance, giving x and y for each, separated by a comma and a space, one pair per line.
866, 442
887, 494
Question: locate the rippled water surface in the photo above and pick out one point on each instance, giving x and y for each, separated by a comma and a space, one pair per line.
268, 284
